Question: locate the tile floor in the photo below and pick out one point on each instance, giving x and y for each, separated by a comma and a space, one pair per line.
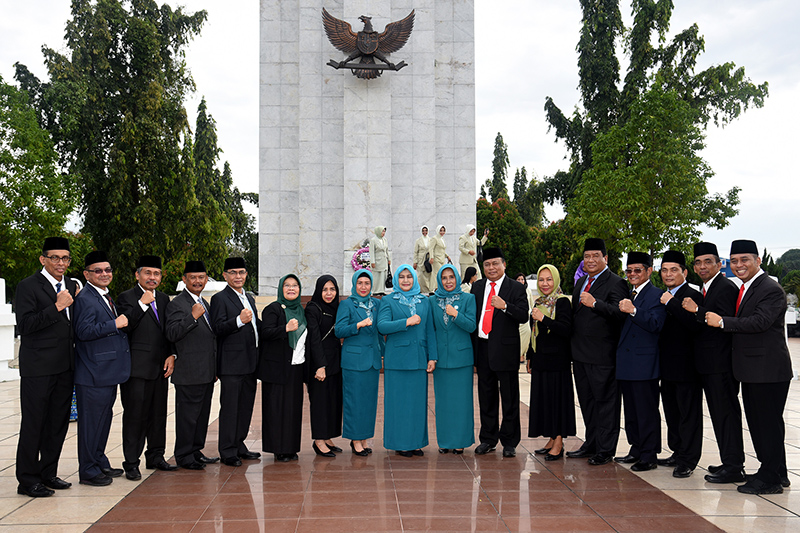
385, 492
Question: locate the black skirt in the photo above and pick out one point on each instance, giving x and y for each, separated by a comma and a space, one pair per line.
325, 398
552, 406
282, 413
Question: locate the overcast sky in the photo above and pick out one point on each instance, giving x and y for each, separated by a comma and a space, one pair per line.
525, 51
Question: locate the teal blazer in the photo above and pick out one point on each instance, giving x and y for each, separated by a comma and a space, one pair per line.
453, 340
362, 349
407, 348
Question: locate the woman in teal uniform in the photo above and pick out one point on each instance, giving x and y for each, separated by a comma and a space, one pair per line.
406, 319
454, 320
362, 349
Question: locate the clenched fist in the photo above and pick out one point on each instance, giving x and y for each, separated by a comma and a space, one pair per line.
245, 316
198, 310
292, 325
63, 300
148, 297
121, 321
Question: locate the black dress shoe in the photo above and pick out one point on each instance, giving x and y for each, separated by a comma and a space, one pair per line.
162, 465
59, 484
682, 471
319, 452
368, 450
713, 469
100, 480
334, 449
362, 453
232, 461
444, 450
207, 460
669, 461
404, 453
726, 475
509, 451
542, 451
283, 457
756, 486
35, 491
550, 457
627, 459
418, 452
112, 472
194, 465
484, 448
600, 459
580, 453
642, 466
249, 456
133, 474
459, 451
785, 483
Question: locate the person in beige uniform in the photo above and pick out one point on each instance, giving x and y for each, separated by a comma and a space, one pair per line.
438, 251
468, 246
379, 259
420, 252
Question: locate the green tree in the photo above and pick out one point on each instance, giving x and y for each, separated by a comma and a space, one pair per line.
558, 245
647, 187
719, 93
790, 260
496, 187
791, 282
527, 199
509, 232
35, 198
769, 265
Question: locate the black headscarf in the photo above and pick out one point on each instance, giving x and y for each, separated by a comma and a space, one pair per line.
328, 308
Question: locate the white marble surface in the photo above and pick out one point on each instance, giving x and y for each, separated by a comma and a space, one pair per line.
340, 155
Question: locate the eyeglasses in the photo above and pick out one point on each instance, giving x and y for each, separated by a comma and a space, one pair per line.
285, 286
237, 272
636, 270
56, 259
98, 271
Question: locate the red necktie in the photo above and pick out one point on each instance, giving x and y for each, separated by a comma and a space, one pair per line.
488, 312
704, 291
739, 299
111, 304
589, 285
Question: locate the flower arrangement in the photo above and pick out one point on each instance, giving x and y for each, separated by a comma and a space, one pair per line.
361, 259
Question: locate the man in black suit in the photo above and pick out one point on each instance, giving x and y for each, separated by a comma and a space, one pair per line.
46, 363
235, 323
189, 328
503, 307
712, 357
681, 390
102, 361
144, 395
596, 325
761, 362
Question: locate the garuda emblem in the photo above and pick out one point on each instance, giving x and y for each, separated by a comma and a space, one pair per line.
367, 44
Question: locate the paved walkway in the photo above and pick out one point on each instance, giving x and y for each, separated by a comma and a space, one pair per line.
389, 493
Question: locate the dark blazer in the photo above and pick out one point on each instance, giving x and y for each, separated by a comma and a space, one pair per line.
453, 340
760, 353
324, 346
362, 349
274, 352
195, 344
553, 341
103, 357
237, 354
712, 346
46, 336
407, 348
676, 342
504, 340
637, 351
596, 330
146, 334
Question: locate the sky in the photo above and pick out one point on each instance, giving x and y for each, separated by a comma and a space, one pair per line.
525, 51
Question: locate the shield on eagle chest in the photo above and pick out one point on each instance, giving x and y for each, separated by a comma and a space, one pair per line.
367, 42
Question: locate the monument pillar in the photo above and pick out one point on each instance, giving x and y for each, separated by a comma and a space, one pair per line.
340, 155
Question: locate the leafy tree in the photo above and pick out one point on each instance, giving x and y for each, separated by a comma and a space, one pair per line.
527, 199
35, 198
719, 93
558, 245
769, 265
509, 232
496, 187
647, 187
791, 282
790, 260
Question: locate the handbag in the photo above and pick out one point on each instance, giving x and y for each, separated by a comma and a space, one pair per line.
389, 283
479, 254
427, 263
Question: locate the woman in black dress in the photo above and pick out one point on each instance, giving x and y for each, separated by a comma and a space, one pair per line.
324, 370
552, 403
280, 368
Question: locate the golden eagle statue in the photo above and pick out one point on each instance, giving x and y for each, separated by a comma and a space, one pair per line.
367, 44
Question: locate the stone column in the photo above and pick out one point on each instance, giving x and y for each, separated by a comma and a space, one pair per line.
7, 323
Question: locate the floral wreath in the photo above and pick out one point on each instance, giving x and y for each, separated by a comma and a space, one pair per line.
361, 259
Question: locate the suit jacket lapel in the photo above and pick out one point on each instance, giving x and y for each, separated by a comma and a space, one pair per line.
103, 301
746, 298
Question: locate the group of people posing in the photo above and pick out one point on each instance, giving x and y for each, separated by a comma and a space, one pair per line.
621, 345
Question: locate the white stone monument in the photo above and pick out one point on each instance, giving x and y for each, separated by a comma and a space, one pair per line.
7, 323
340, 155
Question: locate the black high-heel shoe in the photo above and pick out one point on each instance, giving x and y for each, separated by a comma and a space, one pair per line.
362, 453
549, 457
542, 451
320, 452
334, 448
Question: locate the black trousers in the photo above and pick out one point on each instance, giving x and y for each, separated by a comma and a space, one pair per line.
144, 418
237, 396
192, 410
763, 406
325, 398
683, 411
95, 412
642, 419
722, 397
494, 386
45, 403
598, 396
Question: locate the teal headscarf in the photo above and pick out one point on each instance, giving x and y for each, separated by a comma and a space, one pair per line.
292, 309
445, 298
412, 296
364, 302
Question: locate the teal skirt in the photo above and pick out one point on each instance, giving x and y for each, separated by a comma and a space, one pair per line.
359, 403
455, 419
405, 399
